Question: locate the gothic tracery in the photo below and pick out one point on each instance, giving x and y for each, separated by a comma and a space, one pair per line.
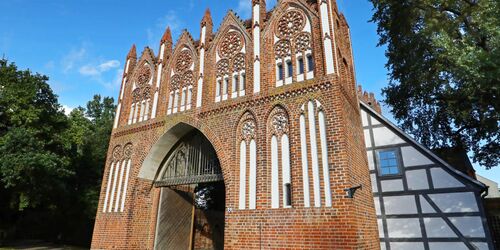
293, 47
282, 48
279, 122
222, 67
303, 41
230, 66
231, 44
144, 75
184, 61
239, 62
290, 23
181, 81
117, 153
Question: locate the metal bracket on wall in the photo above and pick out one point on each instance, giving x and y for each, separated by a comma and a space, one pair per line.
351, 191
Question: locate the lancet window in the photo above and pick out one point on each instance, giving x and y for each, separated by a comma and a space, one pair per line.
248, 162
141, 95
181, 83
231, 67
314, 154
281, 186
118, 179
293, 48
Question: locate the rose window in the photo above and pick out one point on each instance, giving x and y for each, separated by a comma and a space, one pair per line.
231, 44
290, 23
184, 61
144, 75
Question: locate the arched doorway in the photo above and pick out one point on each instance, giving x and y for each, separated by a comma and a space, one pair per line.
192, 200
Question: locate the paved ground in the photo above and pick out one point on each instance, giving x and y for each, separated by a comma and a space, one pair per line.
38, 246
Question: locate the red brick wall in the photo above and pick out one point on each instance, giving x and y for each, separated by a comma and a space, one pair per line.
348, 224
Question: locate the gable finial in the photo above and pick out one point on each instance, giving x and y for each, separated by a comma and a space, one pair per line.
132, 53
167, 36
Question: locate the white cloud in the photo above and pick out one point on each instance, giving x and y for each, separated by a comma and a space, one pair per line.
67, 109
169, 20
74, 56
89, 70
111, 64
97, 70
244, 8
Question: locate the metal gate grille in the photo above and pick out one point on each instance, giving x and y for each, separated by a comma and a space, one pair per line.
192, 161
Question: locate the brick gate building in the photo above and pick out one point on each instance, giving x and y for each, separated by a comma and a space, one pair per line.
251, 136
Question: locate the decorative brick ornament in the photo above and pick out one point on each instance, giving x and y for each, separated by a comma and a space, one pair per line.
175, 82
223, 67
184, 61
144, 75
282, 48
146, 93
248, 130
302, 41
279, 122
127, 151
137, 95
290, 23
117, 153
231, 44
239, 62
188, 78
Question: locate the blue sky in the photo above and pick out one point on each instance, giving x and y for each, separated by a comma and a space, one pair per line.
82, 45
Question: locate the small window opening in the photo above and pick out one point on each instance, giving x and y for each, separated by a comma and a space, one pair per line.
301, 66
288, 194
388, 162
243, 82
310, 63
217, 88
224, 88
280, 71
236, 83
289, 68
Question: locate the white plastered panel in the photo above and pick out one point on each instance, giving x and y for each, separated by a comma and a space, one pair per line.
412, 157
384, 136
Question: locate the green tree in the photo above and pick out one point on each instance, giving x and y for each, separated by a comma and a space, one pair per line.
50, 164
444, 63
87, 138
33, 165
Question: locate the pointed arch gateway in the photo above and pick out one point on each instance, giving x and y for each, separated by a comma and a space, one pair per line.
192, 197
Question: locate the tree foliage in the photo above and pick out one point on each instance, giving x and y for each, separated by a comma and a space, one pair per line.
444, 63
50, 164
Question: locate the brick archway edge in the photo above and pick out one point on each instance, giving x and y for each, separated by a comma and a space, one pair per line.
168, 140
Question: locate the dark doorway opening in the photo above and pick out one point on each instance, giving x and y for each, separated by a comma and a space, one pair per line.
192, 202
208, 228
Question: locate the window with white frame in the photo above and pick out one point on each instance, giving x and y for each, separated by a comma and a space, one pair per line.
118, 180
182, 81
248, 162
280, 163
293, 45
388, 162
141, 95
231, 66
